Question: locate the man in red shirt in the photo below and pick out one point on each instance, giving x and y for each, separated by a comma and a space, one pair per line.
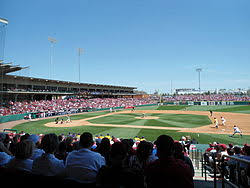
168, 171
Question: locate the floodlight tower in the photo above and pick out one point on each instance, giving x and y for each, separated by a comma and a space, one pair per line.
3, 24
199, 74
80, 51
52, 42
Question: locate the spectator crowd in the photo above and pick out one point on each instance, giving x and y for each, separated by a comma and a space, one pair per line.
100, 161
211, 97
58, 106
235, 171
62, 105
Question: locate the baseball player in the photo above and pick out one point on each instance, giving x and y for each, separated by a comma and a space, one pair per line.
216, 123
211, 113
68, 119
223, 121
237, 130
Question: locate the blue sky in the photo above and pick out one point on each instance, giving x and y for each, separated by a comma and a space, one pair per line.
141, 43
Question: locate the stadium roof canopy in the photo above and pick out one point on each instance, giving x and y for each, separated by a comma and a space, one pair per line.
43, 80
8, 68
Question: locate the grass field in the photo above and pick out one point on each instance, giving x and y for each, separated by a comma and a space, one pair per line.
233, 108
173, 120
165, 120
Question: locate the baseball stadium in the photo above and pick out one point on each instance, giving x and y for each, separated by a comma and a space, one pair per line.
212, 130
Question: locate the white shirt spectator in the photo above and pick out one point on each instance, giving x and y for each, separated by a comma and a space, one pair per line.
83, 165
48, 165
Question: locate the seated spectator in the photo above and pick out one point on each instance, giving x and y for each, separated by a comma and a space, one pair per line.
22, 160
69, 143
104, 149
36, 152
168, 171
83, 165
232, 164
13, 144
128, 143
221, 150
246, 156
179, 154
117, 174
237, 153
143, 156
3, 148
47, 164
62, 153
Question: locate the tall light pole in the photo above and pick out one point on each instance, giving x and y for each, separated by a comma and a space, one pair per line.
199, 74
80, 51
52, 42
3, 24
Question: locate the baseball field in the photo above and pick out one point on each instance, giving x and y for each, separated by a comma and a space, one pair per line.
150, 122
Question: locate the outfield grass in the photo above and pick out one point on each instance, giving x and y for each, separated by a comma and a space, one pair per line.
217, 108
165, 120
236, 109
226, 108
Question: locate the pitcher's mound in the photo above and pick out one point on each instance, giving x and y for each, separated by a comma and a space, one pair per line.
147, 117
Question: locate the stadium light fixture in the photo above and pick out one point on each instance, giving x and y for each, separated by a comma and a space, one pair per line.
4, 21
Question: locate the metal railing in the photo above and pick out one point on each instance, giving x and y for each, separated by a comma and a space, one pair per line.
196, 157
210, 166
234, 174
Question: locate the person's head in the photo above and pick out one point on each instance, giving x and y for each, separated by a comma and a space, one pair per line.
62, 147
34, 138
24, 137
24, 149
237, 150
69, 140
86, 140
223, 147
105, 145
60, 138
165, 146
178, 150
247, 150
49, 143
118, 153
144, 149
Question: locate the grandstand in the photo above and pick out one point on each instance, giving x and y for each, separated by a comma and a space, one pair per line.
21, 88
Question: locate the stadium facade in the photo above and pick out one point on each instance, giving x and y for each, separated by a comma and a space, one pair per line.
21, 88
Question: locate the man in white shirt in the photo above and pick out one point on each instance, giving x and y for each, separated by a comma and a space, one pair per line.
83, 165
237, 130
223, 121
